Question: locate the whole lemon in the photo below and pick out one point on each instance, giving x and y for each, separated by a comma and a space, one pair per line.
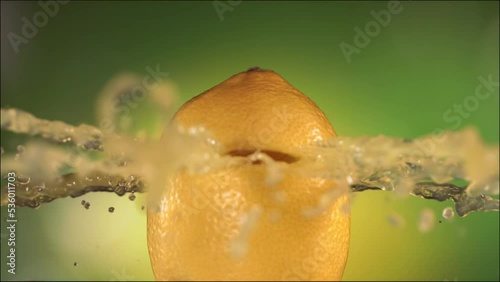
237, 223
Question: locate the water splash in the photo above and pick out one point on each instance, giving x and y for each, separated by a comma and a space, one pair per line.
84, 136
102, 161
248, 222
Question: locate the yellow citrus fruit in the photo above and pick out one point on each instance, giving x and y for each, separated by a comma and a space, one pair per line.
230, 224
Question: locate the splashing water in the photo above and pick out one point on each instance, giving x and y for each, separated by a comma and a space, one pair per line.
102, 161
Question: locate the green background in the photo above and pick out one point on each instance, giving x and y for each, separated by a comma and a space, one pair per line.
426, 60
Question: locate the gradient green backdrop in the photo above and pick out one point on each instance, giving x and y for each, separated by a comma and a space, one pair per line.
426, 60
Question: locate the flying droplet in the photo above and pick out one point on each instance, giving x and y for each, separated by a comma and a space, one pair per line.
120, 190
396, 220
448, 213
20, 149
427, 220
131, 197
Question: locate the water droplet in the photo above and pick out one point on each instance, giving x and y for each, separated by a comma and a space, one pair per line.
448, 213
248, 221
75, 263
396, 220
349, 180
120, 190
427, 220
20, 149
23, 180
87, 205
131, 197
83, 202
111, 209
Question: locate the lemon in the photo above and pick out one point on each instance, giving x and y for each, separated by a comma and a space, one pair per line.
230, 224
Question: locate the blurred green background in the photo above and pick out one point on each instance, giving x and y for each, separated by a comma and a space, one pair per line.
427, 59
